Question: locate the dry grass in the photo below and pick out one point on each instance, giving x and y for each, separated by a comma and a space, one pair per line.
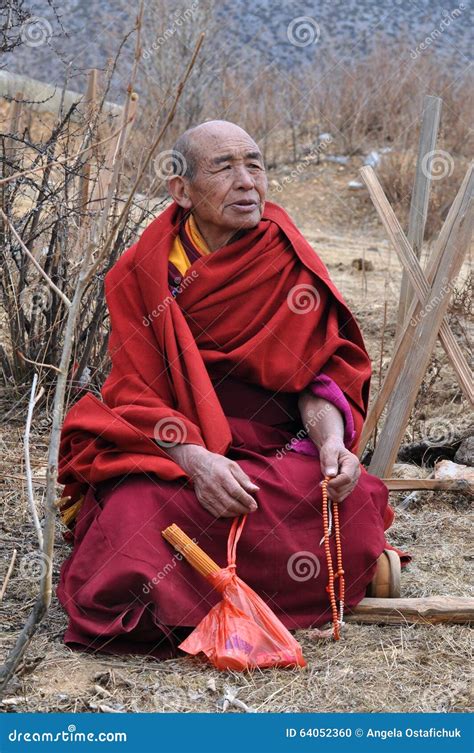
397, 175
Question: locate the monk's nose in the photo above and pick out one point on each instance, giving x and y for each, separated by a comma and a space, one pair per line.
243, 179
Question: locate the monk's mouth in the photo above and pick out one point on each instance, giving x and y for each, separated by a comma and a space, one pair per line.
245, 208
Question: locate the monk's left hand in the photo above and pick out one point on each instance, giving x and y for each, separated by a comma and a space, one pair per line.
337, 461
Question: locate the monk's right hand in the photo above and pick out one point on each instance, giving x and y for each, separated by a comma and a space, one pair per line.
220, 484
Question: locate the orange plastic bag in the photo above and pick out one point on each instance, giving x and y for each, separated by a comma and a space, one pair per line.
241, 632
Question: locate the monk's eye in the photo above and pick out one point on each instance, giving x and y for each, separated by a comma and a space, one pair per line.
227, 167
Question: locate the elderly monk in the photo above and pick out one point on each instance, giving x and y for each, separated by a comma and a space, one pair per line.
239, 379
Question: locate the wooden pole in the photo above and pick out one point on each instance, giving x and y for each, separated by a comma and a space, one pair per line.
420, 196
421, 337
431, 609
13, 128
116, 146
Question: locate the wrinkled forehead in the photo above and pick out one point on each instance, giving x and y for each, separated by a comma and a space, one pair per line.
215, 148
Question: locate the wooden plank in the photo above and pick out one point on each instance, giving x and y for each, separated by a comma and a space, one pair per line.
422, 336
420, 196
417, 278
457, 610
402, 352
429, 484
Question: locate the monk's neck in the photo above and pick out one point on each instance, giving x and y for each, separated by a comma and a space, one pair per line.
216, 238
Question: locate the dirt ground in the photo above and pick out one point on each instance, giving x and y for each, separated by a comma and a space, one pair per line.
373, 668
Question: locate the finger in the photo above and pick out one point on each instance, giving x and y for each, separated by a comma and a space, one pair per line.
342, 491
243, 479
329, 459
220, 510
208, 506
351, 465
227, 504
237, 492
233, 511
336, 484
340, 496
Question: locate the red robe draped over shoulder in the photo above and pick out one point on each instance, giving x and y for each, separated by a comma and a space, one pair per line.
262, 309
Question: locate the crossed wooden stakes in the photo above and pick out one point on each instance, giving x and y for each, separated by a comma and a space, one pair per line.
422, 319
424, 322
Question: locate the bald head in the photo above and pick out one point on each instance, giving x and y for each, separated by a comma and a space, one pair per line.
203, 139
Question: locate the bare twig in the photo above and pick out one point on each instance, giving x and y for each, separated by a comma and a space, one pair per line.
7, 576
29, 481
36, 363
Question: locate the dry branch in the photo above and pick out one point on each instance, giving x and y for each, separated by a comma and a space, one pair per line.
30, 256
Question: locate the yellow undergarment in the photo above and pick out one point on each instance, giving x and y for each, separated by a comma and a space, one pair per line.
178, 255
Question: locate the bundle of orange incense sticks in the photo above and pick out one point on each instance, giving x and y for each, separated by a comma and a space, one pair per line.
193, 553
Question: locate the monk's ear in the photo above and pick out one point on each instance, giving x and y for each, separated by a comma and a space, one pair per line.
178, 190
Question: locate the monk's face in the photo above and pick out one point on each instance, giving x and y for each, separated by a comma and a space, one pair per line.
228, 191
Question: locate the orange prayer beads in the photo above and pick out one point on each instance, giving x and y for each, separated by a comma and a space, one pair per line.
339, 574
